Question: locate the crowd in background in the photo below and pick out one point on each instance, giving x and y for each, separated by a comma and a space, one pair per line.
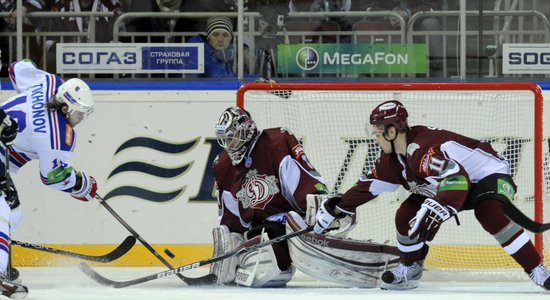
224, 59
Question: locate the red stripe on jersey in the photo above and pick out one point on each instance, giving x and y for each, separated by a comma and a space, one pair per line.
55, 130
12, 75
20, 159
52, 85
4, 242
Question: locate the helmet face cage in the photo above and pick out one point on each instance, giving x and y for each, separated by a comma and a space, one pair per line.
390, 113
76, 94
233, 130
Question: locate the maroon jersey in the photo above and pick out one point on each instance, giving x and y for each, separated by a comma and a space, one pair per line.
274, 177
439, 164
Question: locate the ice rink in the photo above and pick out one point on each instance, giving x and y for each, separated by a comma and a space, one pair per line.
69, 283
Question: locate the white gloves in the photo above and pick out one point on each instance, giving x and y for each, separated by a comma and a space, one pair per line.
329, 218
324, 217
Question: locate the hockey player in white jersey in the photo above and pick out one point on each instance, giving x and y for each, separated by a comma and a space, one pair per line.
46, 110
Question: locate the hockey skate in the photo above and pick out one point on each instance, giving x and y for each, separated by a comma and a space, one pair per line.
402, 277
541, 276
13, 290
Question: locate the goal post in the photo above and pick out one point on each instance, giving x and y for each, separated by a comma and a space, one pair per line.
330, 119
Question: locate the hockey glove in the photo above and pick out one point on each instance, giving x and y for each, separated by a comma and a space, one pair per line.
8, 134
8, 188
428, 219
85, 188
328, 214
273, 230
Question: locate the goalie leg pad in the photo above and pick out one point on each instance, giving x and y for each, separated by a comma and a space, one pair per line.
259, 269
225, 241
349, 262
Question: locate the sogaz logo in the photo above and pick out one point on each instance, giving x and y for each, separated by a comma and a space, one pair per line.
307, 58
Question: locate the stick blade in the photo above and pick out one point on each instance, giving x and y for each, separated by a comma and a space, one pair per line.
122, 249
208, 279
96, 276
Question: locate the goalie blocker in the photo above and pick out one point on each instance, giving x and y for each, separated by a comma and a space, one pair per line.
345, 261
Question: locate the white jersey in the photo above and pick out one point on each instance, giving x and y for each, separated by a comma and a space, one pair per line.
43, 134
24, 73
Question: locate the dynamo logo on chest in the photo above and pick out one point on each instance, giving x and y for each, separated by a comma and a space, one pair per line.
38, 111
257, 190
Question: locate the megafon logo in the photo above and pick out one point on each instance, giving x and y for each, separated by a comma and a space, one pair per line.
307, 58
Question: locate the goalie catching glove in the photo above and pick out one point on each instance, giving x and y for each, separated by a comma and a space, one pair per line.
328, 214
85, 188
428, 219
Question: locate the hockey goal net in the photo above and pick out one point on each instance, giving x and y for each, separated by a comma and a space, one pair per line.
330, 118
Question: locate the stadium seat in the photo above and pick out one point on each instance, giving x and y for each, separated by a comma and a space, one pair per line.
375, 32
310, 32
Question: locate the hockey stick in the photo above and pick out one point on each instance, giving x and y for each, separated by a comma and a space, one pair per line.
124, 247
237, 251
12, 274
190, 281
522, 220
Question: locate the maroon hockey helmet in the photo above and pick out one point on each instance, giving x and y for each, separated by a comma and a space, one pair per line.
391, 112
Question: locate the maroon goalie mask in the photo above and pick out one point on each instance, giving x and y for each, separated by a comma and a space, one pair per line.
234, 129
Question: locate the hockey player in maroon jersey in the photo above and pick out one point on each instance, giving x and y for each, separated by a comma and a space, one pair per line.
261, 175
265, 180
446, 173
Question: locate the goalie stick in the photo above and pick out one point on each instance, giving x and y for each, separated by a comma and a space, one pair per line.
124, 247
522, 220
237, 251
189, 281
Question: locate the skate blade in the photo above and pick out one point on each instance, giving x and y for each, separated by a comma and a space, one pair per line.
407, 285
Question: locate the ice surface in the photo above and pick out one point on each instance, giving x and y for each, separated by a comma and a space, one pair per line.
69, 283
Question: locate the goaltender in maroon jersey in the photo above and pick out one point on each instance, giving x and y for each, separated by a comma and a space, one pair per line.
264, 185
260, 176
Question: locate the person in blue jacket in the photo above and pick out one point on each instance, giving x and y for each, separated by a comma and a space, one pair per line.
218, 50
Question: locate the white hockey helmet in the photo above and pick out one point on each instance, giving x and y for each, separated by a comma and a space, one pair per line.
77, 95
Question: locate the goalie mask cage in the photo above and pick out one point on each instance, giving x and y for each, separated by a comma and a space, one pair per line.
330, 118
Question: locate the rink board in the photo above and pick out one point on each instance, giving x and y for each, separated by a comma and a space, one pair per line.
183, 223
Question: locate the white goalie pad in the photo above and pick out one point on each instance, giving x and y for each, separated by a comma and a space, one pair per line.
338, 228
259, 269
225, 241
345, 261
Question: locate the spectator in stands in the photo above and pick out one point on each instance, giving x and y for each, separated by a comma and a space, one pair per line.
218, 51
34, 51
211, 6
406, 9
345, 24
104, 25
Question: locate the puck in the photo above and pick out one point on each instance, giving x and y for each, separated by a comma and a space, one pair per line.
13, 273
169, 253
